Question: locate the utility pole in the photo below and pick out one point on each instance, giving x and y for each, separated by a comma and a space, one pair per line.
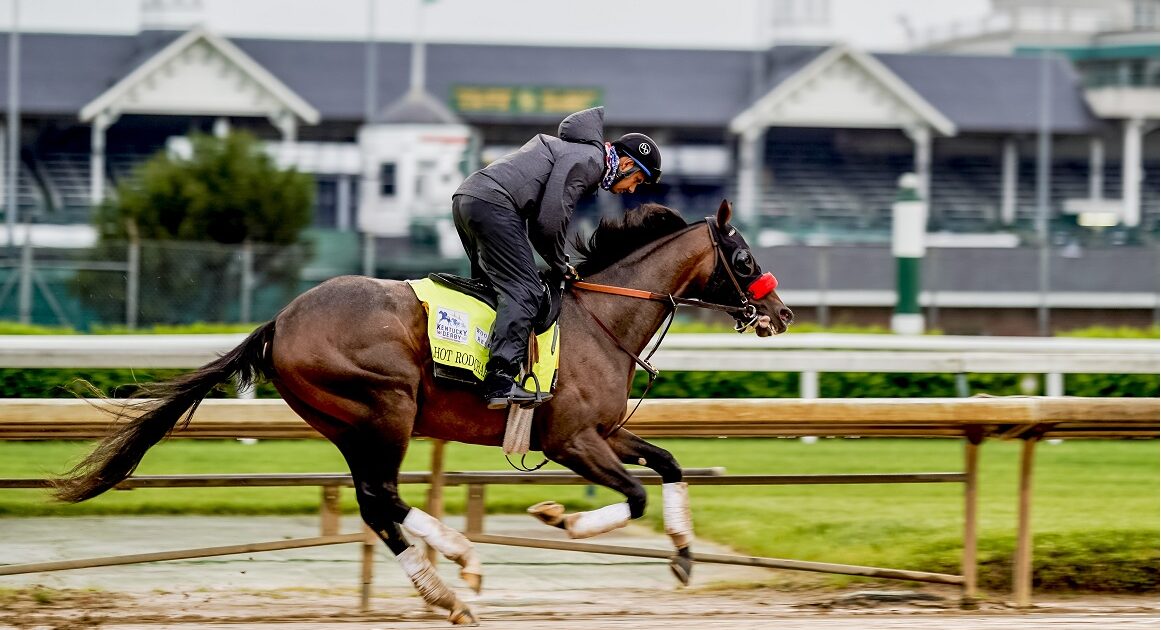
371, 67
419, 51
13, 121
1043, 182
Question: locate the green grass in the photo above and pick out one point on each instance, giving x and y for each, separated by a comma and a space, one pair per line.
1095, 513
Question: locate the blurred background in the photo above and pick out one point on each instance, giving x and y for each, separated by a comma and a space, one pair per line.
179, 161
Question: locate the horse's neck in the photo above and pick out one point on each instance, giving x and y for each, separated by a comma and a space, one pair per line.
672, 267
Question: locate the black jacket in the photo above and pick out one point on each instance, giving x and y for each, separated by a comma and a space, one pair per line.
543, 180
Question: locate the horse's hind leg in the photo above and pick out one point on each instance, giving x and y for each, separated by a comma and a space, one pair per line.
674, 495
588, 455
374, 459
374, 452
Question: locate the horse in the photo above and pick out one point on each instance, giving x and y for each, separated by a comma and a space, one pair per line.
352, 358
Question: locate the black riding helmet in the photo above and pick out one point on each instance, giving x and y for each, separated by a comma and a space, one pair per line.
644, 152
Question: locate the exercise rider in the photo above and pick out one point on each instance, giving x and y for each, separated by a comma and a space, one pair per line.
525, 200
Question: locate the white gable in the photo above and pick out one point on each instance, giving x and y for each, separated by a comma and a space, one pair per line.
842, 95
842, 88
200, 74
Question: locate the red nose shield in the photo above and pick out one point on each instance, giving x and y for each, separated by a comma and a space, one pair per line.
762, 286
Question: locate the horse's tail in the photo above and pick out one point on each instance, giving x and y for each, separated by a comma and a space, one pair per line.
117, 456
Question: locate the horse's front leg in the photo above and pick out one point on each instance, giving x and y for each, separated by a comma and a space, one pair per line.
675, 512
590, 456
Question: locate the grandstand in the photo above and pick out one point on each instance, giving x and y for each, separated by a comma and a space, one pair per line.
810, 184
806, 139
830, 164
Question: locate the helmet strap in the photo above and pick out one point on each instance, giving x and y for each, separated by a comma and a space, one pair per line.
627, 173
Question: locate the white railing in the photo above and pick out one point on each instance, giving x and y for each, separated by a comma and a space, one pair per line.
809, 354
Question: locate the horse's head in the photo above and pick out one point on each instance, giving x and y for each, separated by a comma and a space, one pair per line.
738, 279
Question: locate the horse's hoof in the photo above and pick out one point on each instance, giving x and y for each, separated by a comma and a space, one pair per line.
475, 581
681, 565
463, 616
549, 513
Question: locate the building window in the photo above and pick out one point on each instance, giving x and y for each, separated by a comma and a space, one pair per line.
326, 202
387, 179
426, 172
1145, 15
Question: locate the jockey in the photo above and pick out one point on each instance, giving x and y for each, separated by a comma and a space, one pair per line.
525, 200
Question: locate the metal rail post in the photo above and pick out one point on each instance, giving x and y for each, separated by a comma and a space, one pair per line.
435, 491
331, 512
370, 539
1022, 572
970, 504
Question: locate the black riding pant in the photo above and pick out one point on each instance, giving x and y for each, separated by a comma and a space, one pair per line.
496, 240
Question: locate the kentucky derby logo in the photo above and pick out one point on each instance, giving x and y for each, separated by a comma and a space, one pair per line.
451, 325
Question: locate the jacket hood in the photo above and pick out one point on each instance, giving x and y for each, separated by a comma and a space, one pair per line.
587, 125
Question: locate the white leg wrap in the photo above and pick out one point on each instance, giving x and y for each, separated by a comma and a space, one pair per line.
426, 580
606, 519
450, 543
676, 514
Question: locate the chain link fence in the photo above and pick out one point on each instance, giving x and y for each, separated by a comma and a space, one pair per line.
149, 283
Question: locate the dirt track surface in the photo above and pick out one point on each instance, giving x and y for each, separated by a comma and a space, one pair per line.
523, 588
647, 609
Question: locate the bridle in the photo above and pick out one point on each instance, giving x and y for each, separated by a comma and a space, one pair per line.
745, 314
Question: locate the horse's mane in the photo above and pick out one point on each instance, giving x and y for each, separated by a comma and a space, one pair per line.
616, 238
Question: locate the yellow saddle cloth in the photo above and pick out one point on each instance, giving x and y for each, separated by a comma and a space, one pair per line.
458, 326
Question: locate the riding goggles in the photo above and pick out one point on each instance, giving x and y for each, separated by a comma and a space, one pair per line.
651, 176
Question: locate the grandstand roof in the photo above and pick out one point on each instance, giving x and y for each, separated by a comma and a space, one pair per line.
61, 73
418, 107
805, 97
985, 93
143, 89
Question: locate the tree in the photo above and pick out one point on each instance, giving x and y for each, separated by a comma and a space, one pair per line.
189, 215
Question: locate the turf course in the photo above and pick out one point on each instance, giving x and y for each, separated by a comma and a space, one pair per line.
1095, 514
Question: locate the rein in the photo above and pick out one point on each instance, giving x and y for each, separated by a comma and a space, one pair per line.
644, 363
658, 297
745, 314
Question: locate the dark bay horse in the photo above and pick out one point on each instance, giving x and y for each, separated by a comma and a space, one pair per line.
352, 358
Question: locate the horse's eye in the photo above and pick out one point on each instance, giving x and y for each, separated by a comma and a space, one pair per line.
744, 263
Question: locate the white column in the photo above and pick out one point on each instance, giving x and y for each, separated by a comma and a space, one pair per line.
1009, 181
750, 150
97, 158
1131, 174
221, 127
921, 136
11, 237
287, 125
1096, 168
343, 201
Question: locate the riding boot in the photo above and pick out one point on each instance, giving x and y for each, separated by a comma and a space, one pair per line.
500, 390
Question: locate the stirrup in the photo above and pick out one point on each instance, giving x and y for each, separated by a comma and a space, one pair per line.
519, 396
540, 396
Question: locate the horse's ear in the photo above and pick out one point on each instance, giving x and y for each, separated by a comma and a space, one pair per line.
724, 212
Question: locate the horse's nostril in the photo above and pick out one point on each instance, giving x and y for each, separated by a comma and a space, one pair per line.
786, 315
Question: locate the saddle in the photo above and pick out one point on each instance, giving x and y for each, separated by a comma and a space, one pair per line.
486, 293
483, 292
460, 313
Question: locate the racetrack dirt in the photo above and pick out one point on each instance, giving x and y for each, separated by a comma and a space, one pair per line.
311, 589
641, 609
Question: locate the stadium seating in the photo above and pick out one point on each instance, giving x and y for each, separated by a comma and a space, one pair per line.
806, 186
812, 186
